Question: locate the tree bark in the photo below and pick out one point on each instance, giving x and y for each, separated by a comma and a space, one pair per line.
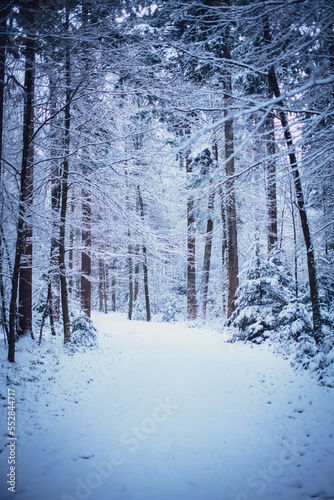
130, 267
3, 46
106, 287
231, 216
71, 254
311, 266
64, 191
191, 253
294, 240
145, 268
54, 283
86, 265
27, 135
136, 275
207, 253
101, 285
271, 181
113, 286
224, 246
25, 279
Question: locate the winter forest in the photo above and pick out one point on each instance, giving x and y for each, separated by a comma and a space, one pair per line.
168, 162
172, 159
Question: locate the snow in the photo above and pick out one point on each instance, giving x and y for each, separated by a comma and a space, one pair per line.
165, 412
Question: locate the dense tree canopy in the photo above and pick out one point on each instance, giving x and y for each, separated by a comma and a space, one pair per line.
148, 150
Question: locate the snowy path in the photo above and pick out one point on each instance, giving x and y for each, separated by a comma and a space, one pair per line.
163, 412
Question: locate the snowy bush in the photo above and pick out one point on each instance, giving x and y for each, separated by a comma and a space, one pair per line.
319, 360
139, 310
294, 321
170, 313
265, 289
83, 332
39, 300
266, 305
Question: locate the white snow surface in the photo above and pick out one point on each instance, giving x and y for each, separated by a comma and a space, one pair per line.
164, 411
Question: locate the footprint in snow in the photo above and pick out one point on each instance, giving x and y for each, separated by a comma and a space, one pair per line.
85, 457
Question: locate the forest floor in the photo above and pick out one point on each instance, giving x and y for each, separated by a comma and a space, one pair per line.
162, 411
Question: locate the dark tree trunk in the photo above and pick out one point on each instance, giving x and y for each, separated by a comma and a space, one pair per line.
101, 286
54, 283
146, 291
86, 266
294, 240
64, 192
317, 327
136, 275
229, 211
3, 45
207, 253
145, 268
231, 216
224, 245
271, 181
113, 286
208, 243
25, 279
27, 136
106, 287
71, 255
191, 253
130, 267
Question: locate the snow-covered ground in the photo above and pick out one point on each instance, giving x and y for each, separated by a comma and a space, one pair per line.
164, 412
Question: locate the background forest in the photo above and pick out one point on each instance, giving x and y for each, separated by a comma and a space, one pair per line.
171, 159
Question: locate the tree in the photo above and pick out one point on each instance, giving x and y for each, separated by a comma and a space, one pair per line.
64, 185
3, 47
85, 255
145, 269
25, 182
311, 265
231, 217
25, 280
191, 254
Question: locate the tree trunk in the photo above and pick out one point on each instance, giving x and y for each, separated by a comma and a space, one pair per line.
207, 253
100, 285
294, 240
231, 216
317, 328
224, 246
130, 267
106, 287
191, 256
71, 255
3, 45
271, 181
136, 275
145, 268
113, 286
25, 279
86, 266
20, 240
54, 283
64, 191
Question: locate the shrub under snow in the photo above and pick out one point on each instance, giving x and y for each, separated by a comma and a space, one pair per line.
266, 305
83, 332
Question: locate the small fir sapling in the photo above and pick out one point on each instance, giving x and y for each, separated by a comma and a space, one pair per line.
83, 332
266, 305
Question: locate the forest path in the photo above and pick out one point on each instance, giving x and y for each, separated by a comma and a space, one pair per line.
166, 412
